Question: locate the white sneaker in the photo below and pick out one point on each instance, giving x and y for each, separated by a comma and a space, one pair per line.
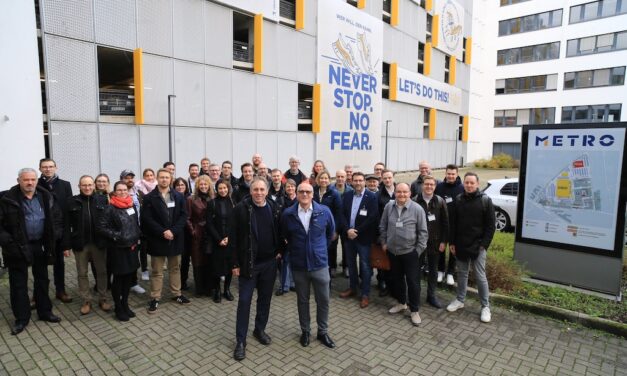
145, 275
454, 306
486, 316
449, 280
440, 277
415, 318
397, 308
138, 289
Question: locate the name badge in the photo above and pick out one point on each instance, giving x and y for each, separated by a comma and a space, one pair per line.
363, 212
431, 217
171, 204
448, 200
399, 224
130, 211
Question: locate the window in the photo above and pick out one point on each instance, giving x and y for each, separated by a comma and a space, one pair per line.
601, 113
287, 12
447, 68
595, 78
421, 57
531, 22
385, 87
429, 27
510, 148
460, 129
116, 82
243, 37
425, 124
517, 118
510, 189
464, 41
597, 43
527, 54
387, 11
526, 84
510, 2
352, 2
305, 105
598, 9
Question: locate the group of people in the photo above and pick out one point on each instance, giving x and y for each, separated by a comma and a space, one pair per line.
263, 224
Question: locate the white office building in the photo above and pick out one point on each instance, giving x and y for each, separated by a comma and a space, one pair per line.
558, 61
95, 84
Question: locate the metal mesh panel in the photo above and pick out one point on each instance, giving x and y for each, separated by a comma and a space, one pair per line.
190, 147
154, 19
219, 145
242, 143
189, 35
288, 102
157, 87
119, 148
306, 146
217, 97
69, 18
287, 148
267, 146
74, 146
115, 23
153, 146
267, 107
306, 58
72, 79
218, 21
189, 82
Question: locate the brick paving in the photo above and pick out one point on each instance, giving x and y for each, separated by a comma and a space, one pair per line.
198, 340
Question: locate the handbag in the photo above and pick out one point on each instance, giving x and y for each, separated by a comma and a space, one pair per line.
378, 258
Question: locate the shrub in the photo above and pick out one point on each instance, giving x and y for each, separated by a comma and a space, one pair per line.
498, 161
480, 163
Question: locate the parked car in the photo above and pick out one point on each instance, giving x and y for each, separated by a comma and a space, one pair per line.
504, 195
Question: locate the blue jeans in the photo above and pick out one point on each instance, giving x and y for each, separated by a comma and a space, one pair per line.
354, 249
286, 278
263, 279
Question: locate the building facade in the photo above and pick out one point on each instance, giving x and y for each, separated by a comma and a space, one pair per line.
237, 77
556, 62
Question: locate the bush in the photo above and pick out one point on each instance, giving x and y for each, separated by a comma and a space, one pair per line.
480, 163
498, 161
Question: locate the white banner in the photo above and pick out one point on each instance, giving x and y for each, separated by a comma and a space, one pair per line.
269, 8
350, 55
451, 27
423, 91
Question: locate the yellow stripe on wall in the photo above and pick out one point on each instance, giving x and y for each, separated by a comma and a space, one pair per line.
452, 70
300, 14
465, 129
427, 68
316, 109
394, 17
435, 27
393, 81
432, 116
429, 5
361, 4
468, 50
258, 44
138, 73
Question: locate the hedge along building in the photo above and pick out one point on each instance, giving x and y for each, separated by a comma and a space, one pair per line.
319, 79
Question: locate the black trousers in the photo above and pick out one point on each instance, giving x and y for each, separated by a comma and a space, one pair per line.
262, 279
18, 285
59, 269
186, 259
332, 253
120, 288
405, 271
451, 263
432, 258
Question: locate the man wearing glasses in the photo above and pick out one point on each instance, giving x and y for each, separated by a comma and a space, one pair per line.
308, 229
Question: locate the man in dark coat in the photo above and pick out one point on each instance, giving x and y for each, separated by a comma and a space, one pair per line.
61, 190
471, 235
360, 221
257, 246
29, 221
163, 219
450, 188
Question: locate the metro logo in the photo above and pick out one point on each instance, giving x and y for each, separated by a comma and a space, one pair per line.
575, 140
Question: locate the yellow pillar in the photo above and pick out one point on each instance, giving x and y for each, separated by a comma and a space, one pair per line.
432, 119
452, 70
429, 5
316, 109
468, 50
393, 81
300, 14
427, 69
465, 129
435, 27
138, 73
361, 4
258, 44
394, 17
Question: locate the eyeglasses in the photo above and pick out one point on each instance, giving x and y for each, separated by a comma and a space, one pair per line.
305, 192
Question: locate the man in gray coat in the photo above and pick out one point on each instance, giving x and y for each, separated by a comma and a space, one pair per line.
404, 237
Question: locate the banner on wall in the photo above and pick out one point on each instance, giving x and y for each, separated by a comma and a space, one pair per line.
414, 88
269, 8
350, 55
451, 28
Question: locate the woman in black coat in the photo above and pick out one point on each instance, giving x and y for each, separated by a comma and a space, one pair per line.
219, 213
119, 225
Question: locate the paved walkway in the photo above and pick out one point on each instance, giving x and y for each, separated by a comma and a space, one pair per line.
198, 340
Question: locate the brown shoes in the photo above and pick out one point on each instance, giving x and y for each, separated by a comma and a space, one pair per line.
347, 293
65, 298
105, 306
86, 308
364, 302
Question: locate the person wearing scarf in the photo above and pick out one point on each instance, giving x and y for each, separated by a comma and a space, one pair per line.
148, 182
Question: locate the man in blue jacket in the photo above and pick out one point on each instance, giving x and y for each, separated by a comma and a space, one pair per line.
308, 229
361, 215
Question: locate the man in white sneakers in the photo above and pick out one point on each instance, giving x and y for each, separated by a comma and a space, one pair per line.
471, 235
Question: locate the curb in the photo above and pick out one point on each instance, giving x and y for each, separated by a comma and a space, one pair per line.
609, 326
